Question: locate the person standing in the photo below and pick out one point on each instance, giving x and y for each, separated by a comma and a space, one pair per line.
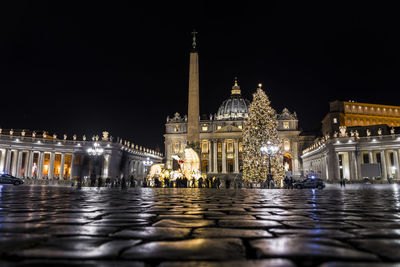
200, 182
99, 182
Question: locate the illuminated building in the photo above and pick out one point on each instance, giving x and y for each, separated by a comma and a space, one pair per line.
356, 134
220, 135
359, 114
27, 154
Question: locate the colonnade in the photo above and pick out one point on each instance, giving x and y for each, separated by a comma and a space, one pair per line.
213, 155
31, 163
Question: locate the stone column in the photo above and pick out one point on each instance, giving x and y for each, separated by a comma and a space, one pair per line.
51, 166
14, 163
19, 164
371, 156
338, 166
30, 164
210, 169
396, 163
7, 166
71, 175
62, 166
26, 164
383, 164
224, 156
40, 167
105, 166
236, 147
215, 154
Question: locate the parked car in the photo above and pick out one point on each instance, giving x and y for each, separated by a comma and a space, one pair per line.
9, 179
311, 182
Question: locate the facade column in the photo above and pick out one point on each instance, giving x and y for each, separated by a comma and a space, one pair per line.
40, 167
236, 147
62, 166
26, 164
71, 175
7, 167
19, 164
338, 166
371, 157
51, 166
223, 156
30, 163
396, 163
105, 166
2, 159
210, 150
383, 164
14, 163
215, 154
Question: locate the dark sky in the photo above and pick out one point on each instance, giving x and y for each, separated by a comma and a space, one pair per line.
83, 67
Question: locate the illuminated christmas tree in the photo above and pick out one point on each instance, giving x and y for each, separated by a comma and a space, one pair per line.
261, 129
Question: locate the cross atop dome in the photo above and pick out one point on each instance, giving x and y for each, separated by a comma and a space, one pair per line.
194, 43
236, 88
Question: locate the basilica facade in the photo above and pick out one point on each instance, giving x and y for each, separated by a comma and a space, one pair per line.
219, 136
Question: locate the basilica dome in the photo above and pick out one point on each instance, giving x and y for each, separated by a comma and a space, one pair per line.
235, 107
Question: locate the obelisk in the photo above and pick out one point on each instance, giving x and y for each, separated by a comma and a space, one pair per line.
193, 102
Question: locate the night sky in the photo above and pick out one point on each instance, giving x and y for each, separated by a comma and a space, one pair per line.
83, 67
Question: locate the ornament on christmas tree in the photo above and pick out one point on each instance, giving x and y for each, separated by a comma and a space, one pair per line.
259, 130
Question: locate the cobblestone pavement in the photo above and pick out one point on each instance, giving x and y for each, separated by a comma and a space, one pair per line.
56, 226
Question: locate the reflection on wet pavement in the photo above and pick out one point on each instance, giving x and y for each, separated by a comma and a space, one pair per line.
55, 225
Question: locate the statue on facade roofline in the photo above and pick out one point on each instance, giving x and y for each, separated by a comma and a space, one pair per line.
335, 134
379, 131
167, 118
54, 136
74, 137
23, 133
351, 133
97, 137
33, 134
105, 136
44, 134
342, 130
1, 130
357, 134
84, 138
392, 130
11, 132
368, 132
65, 137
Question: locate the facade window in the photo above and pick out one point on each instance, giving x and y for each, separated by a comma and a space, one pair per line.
219, 147
286, 145
230, 146
204, 147
285, 125
334, 120
176, 147
204, 128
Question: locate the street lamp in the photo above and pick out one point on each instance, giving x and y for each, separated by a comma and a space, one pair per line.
269, 149
147, 163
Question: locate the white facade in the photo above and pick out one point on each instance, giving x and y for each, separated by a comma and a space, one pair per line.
340, 157
42, 156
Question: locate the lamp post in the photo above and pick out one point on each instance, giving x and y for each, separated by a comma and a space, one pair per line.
269, 149
147, 163
94, 152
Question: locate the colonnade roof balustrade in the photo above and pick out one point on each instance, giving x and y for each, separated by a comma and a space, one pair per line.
388, 141
22, 141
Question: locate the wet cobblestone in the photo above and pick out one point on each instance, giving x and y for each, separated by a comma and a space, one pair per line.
55, 225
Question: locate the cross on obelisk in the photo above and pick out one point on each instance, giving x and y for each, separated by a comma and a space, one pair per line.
194, 39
